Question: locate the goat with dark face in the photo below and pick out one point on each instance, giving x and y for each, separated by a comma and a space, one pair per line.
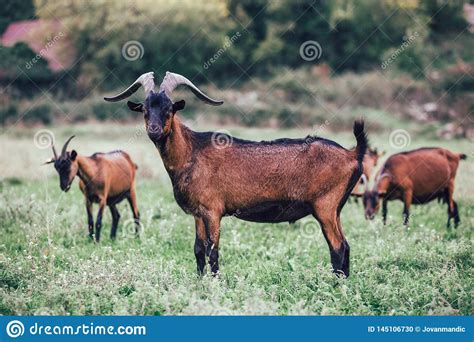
268, 181
105, 178
414, 177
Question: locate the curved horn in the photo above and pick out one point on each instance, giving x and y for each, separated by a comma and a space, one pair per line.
172, 81
146, 80
49, 161
380, 177
385, 175
54, 151
63, 152
365, 182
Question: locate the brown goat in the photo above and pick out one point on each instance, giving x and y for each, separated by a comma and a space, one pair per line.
414, 177
216, 175
370, 161
105, 178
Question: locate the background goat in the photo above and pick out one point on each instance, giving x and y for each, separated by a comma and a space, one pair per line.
272, 181
370, 161
414, 177
105, 178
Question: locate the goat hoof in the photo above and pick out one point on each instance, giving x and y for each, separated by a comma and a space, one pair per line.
341, 274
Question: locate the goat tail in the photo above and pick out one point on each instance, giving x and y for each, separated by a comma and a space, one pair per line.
462, 156
362, 140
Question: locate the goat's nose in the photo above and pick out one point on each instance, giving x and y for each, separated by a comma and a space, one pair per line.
154, 132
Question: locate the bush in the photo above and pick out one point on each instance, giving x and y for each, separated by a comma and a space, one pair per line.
169, 34
456, 79
39, 114
7, 112
15, 10
111, 111
445, 15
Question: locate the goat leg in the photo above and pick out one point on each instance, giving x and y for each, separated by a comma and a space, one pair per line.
384, 211
406, 208
457, 220
90, 219
199, 245
115, 219
132, 200
98, 223
212, 248
338, 246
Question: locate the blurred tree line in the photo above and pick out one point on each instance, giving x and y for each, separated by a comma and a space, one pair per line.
184, 35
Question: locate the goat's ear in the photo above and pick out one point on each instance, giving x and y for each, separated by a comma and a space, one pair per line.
73, 155
178, 105
136, 107
49, 161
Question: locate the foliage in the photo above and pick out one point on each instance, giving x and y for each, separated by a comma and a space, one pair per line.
39, 114
175, 35
445, 15
6, 113
18, 57
15, 10
235, 45
184, 35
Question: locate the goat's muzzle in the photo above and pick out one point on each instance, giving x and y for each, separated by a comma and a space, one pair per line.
65, 188
369, 216
155, 132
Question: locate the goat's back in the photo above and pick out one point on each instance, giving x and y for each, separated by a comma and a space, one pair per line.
116, 171
425, 170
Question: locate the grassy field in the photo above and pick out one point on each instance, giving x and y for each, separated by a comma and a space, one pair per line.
49, 266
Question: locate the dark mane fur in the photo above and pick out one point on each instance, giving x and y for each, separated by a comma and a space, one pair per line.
204, 139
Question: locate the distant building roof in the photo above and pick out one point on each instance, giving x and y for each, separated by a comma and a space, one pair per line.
48, 38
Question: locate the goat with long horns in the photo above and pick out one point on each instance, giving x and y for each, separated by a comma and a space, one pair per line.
268, 181
105, 178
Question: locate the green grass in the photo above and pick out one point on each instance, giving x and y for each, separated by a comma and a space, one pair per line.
49, 266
